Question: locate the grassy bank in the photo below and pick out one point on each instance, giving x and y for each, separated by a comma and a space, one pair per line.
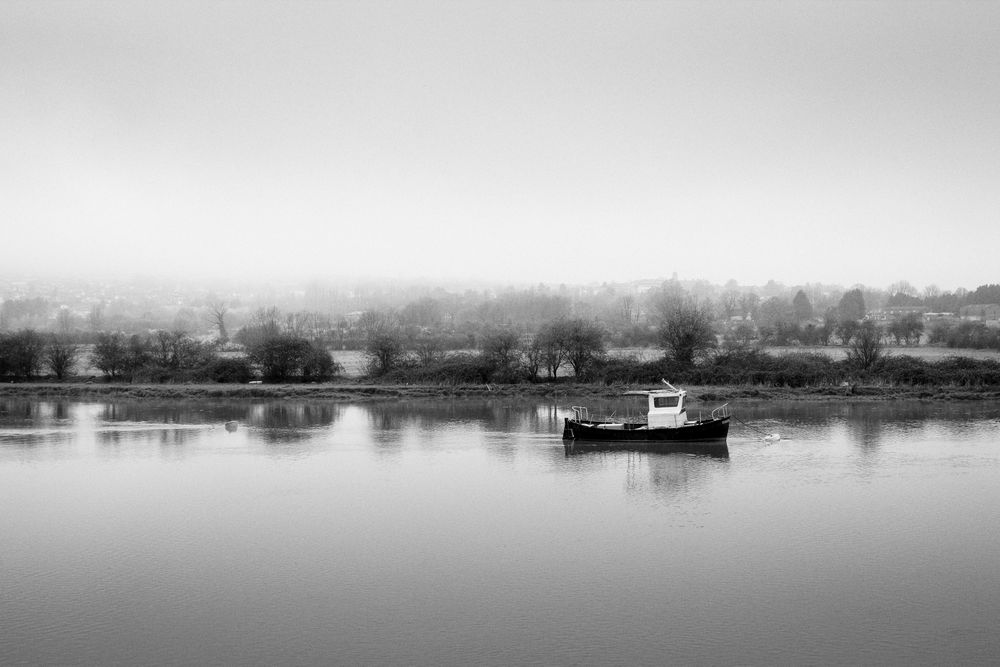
358, 392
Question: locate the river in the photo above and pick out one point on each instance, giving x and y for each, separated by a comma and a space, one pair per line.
459, 532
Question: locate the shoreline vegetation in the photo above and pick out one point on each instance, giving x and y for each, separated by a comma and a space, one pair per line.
361, 391
694, 343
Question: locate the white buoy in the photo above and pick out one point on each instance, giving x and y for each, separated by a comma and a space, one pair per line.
773, 437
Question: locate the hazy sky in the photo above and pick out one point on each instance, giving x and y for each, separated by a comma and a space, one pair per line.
538, 141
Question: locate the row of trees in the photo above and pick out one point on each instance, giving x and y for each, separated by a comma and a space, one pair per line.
685, 334
690, 355
27, 353
504, 355
968, 335
904, 330
285, 347
168, 356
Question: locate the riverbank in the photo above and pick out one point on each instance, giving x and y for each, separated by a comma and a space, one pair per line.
360, 392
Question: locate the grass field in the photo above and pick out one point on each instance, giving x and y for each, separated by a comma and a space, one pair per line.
925, 353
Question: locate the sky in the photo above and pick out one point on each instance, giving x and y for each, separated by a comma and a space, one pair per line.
558, 142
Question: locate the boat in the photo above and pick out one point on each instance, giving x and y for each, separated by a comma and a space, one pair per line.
666, 427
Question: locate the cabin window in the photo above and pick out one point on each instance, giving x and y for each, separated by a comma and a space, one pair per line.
666, 401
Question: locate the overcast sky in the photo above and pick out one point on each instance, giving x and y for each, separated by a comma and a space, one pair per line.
538, 141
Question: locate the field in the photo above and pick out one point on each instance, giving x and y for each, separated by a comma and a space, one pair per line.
925, 353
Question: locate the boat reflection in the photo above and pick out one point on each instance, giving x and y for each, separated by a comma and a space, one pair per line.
716, 449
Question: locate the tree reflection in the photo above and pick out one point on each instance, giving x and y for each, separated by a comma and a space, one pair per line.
489, 415
866, 426
277, 423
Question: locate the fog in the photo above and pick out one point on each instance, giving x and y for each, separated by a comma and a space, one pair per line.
506, 142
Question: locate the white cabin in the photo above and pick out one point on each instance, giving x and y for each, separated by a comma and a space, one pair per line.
666, 407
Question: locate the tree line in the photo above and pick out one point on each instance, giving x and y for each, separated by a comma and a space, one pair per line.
692, 351
283, 347
273, 355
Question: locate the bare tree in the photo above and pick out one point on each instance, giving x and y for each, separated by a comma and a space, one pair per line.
907, 329
428, 348
729, 302
383, 341
867, 347
686, 330
61, 355
531, 352
24, 352
550, 340
264, 324
902, 287
584, 344
217, 310
502, 347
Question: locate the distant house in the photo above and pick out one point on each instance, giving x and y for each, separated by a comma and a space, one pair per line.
896, 312
643, 286
981, 312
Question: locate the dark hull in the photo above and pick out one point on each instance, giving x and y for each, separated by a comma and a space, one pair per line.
704, 437
709, 429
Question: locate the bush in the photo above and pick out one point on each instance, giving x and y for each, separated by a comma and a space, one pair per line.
318, 365
966, 371
21, 354
629, 370
974, 335
230, 369
459, 368
904, 369
282, 356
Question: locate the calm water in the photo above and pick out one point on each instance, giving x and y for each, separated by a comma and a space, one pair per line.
456, 533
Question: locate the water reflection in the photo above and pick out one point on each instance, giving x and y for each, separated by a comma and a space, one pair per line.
499, 426
488, 415
669, 477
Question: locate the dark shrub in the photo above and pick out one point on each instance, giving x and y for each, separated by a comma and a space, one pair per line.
280, 357
629, 370
905, 369
318, 365
229, 370
22, 353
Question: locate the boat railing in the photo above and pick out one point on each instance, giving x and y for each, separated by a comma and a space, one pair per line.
582, 414
721, 412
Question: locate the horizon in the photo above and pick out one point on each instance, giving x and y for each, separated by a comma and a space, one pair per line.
454, 286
